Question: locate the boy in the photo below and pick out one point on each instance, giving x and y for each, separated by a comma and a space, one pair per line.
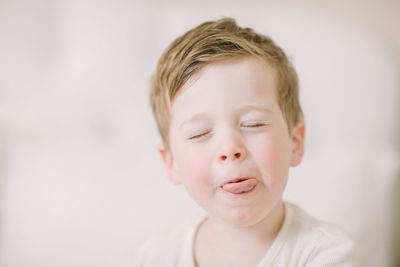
226, 104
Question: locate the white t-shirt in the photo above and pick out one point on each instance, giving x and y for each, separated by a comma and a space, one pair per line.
302, 241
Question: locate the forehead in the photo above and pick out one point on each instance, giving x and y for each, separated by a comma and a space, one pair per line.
227, 85
245, 74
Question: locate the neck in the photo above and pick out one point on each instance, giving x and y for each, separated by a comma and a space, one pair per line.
265, 231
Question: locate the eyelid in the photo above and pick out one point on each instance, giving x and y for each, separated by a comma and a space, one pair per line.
254, 124
200, 135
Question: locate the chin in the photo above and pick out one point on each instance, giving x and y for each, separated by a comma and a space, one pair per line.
245, 218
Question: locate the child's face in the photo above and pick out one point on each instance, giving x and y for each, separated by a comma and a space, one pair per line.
229, 142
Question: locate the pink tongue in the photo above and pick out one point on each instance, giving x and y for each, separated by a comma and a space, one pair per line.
240, 187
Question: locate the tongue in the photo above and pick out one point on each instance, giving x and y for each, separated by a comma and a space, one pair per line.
240, 187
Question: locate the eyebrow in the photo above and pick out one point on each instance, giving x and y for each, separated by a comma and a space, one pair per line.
260, 108
195, 117
241, 110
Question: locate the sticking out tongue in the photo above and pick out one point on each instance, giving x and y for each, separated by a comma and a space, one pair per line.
240, 186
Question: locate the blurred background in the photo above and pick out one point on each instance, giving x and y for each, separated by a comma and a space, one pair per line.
81, 183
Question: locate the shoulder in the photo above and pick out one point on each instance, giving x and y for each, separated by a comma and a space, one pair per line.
318, 243
172, 248
159, 249
307, 226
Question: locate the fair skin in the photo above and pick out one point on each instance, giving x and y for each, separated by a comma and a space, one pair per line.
231, 148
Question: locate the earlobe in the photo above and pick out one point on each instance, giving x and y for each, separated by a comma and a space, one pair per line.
169, 164
298, 135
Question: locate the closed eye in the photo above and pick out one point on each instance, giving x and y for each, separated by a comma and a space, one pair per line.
253, 125
199, 136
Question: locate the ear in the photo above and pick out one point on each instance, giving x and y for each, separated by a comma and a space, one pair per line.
169, 164
298, 134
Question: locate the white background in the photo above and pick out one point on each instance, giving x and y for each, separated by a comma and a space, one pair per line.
81, 183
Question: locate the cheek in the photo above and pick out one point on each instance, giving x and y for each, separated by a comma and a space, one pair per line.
194, 170
272, 159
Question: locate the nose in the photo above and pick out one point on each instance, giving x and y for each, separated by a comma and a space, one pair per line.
231, 149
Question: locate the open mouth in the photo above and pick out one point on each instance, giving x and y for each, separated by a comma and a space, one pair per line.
240, 185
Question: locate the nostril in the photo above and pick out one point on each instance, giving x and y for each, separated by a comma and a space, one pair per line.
237, 155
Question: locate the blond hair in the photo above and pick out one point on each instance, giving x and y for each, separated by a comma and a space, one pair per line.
211, 42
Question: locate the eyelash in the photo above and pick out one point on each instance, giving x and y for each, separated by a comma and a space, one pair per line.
203, 135
254, 125
199, 136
